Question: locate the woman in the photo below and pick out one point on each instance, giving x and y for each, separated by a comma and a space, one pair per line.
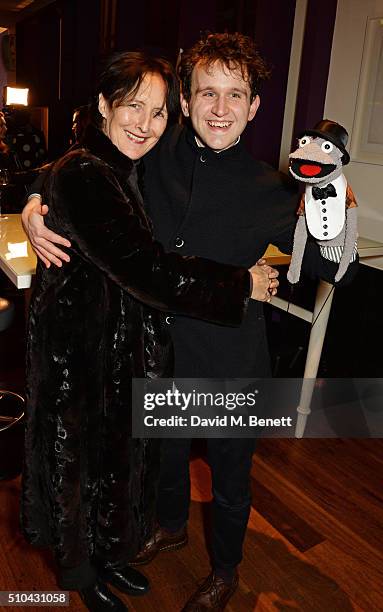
88, 489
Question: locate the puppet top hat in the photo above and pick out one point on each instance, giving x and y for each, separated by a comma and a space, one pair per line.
332, 131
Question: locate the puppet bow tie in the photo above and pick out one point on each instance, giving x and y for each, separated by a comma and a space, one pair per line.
326, 192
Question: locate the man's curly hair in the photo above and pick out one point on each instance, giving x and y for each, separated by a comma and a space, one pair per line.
233, 51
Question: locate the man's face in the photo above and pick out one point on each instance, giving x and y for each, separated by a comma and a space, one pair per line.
219, 105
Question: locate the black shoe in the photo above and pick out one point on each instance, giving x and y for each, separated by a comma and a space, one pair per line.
127, 580
98, 598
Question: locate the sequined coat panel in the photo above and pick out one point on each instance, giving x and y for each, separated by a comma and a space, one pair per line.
89, 488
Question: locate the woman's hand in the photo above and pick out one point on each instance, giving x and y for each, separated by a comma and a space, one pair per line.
265, 281
43, 240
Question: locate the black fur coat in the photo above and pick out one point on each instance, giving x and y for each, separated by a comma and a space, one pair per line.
88, 487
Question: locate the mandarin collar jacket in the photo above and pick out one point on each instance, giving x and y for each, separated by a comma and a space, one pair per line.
226, 206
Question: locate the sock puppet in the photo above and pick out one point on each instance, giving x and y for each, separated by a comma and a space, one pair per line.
327, 209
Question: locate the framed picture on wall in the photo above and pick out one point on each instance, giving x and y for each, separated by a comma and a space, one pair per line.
367, 142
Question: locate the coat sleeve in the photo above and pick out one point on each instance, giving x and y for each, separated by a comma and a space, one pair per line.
109, 230
285, 204
38, 183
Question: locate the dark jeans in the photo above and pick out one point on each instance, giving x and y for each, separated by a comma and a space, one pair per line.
77, 578
230, 463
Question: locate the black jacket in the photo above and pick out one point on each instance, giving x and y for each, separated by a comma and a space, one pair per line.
228, 207
89, 489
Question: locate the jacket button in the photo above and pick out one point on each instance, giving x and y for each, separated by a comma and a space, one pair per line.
324, 218
179, 242
324, 210
325, 233
323, 201
169, 320
325, 227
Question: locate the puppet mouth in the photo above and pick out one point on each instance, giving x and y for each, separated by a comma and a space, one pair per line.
306, 169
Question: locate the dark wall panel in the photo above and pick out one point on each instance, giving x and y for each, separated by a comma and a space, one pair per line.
196, 17
320, 22
89, 29
38, 52
273, 32
57, 55
130, 25
81, 50
149, 24
38, 67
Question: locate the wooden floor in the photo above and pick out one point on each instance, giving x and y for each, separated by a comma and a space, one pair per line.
314, 542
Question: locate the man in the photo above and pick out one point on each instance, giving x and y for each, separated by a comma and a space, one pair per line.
207, 196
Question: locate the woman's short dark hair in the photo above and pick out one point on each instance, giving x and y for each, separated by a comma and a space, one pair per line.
123, 74
234, 51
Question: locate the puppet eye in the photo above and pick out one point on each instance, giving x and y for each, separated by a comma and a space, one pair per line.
327, 146
304, 141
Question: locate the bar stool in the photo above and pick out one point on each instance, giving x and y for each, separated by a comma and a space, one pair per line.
7, 311
11, 414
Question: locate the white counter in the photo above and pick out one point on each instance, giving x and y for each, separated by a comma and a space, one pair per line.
17, 258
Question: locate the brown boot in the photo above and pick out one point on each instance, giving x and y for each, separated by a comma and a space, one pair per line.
213, 594
160, 540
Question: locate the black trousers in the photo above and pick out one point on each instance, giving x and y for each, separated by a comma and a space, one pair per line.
77, 578
315, 266
230, 463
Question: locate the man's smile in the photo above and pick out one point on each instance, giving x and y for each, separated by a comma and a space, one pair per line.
213, 123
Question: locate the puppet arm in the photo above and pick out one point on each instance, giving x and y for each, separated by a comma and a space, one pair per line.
300, 239
349, 242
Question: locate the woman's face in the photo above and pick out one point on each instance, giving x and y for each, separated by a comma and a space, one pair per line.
137, 125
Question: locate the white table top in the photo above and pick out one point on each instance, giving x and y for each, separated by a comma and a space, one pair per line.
18, 260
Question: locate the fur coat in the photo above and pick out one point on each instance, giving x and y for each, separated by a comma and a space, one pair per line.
88, 487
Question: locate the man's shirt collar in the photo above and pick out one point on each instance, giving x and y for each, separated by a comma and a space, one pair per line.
202, 146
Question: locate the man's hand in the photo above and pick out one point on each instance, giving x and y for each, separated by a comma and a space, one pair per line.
273, 276
265, 281
43, 240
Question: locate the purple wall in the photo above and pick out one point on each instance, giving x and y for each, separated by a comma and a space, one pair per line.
273, 33
195, 17
164, 27
320, 22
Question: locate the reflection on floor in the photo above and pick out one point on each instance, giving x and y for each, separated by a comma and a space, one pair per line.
314, 542
315, 536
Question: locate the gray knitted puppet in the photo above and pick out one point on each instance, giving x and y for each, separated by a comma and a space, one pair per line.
328, 208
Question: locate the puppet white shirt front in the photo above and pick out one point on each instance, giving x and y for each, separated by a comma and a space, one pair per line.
326, 218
